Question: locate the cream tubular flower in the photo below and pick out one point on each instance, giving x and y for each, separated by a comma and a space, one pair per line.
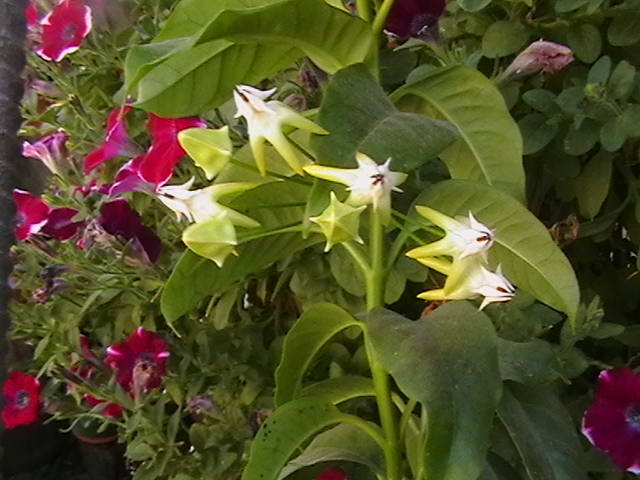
265, 120
370, 183
462, 238
468, 278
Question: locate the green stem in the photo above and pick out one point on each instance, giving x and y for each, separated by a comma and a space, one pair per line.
369, 428
381, 17
375, 278
364, 9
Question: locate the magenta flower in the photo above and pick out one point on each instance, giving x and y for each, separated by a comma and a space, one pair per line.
64, 29
111, 410
118, 219
612, 423
32, 214
50, 150
128, 178
116, 141
140, 361
22, 399
415, 18
60, 224
540, 56
157, 165
31, 14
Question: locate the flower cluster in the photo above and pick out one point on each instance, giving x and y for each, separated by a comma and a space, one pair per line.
466, 242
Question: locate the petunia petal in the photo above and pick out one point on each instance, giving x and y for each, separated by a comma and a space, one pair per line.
60, 224
116, 141
64, 29
32, 214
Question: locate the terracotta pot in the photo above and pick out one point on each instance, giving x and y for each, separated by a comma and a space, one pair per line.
102, 455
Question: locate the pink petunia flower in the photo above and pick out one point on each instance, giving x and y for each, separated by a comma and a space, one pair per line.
60, 224
64, 29
116, 141
117, 218
32, 214
540, 56
139, 362
415, 18
22, 397
612, 423
157, 165
128, 179
50, 150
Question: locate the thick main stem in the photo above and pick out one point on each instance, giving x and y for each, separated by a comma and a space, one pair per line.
376, 278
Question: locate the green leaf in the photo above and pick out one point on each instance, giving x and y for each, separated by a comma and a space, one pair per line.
473, 5
593, 184
543, 433
622, 80
613, 134
541, 100
537, 132
331, 38
527, 362
503, 38
346, 272
360, 118
443, 360
585, 41
600, 71
624, 30
342, 443
210, 149
284, 432
568, 5
472, 103
340, 389
312, 330
140, 451
524, 248
141, 59
583, 138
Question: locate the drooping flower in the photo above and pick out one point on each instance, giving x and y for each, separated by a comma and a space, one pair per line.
117, 218
265, 120
22, 399
111, 410
139, 362
49, 149
64, 29
415, 18
612, 423
116, 141
339, 222
468, 278
370, 183
462, 238
540, 56
60, 224
332, 474
32, 214
157, 165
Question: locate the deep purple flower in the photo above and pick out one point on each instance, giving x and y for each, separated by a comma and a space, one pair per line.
612, 423
118, 219
415, 18
50, 149
32, 214
22, 399
140, 361
116, 141
60, 224
64, 29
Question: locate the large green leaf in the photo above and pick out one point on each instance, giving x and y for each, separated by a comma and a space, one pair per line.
361, 118
523, 246
531, 362
447, 361
490, 149
340, 389
543, 433
284, 432
342, 443
312, 330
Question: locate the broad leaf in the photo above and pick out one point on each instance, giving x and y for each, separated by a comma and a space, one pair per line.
447, 361
342, 443
361, 118
340, 389
312, 330
490, 149
284, 432
530, 363
543, 433
523, 246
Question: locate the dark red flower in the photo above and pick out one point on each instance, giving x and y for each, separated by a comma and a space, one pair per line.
32, 214
60, 224
112, 410
116, 141
64, 29
139, 361
118, 219
332, 474
50, 149
22, 397
415, 18
612, 423
157, 165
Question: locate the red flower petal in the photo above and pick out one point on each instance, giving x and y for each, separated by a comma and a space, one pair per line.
112, 410
32, 214
116, 141
157, 165
31, 14
22, 397
60, 224
64, 29
332, 474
